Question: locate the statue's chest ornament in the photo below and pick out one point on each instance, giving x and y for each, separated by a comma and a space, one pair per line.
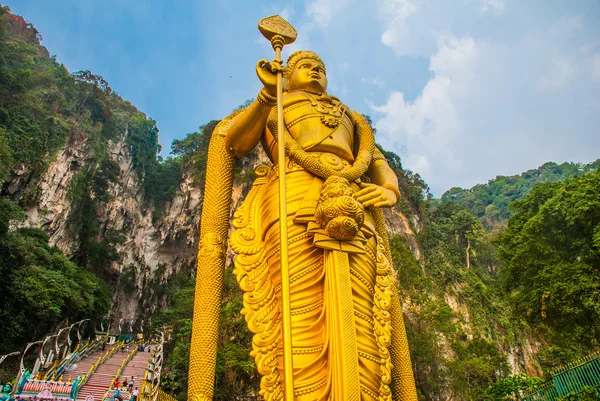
331, 110
334, 110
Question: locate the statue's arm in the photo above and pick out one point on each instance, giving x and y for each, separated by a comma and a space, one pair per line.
381, 174
247, 128
382, 191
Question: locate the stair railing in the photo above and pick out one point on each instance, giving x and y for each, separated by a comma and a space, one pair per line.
151, 392
569, 379
93, 369
126, 361
59, 367
149, 389
107, 394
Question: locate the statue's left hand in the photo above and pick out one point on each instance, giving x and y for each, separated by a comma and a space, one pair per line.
375, 195
267, 73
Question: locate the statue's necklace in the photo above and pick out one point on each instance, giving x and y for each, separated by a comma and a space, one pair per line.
331, 109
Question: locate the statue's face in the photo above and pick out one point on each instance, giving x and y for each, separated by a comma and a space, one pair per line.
308, 74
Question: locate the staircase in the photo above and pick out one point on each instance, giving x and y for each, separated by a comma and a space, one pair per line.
102, 379
82, 367
61, 390
136, 368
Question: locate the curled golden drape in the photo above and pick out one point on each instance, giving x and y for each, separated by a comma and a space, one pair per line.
210, 265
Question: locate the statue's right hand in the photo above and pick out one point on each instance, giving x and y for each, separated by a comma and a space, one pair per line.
267, 73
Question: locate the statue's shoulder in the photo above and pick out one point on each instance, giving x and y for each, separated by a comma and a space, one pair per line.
290, 98
300, 95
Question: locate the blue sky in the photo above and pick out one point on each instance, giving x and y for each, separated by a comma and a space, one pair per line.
462, 90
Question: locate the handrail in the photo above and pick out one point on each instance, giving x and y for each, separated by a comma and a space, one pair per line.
568, 379
155, 393
120, 370
125, 362
147, 382
59, 366
93, 369
150, 387
575, 364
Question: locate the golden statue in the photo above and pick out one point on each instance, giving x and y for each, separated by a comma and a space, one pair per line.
323, 307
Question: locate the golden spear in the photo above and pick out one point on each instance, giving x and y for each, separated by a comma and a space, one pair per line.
279, 32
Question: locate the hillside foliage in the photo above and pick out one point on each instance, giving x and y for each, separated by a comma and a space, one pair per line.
44, 109
551, 251
40, 286
490, 202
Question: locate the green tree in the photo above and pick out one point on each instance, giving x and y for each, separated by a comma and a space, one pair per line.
490, 201
193, 150
40, 286
511, 388
235, 370
467, 229
478, 365
551, 257
6, 159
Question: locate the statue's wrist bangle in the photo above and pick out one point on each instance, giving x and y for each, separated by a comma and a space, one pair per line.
392, 188
265, 99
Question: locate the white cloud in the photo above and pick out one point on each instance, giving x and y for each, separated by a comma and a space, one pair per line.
323, 11
286, 13
454, 55
493, 6
430, 124
395, 13
493, 107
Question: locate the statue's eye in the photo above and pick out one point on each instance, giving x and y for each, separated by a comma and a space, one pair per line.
305, 66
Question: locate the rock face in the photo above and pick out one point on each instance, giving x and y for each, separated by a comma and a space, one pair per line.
397, 224
53, 205
156, 249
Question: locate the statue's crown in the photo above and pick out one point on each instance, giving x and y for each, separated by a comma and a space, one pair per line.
300, 55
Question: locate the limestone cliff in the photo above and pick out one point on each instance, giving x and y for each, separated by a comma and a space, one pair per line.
158, 249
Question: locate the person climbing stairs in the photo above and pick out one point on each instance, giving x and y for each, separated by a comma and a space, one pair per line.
136, 369
100, 383
101, 380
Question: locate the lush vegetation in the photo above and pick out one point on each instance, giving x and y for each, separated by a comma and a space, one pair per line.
45, 110
235, 371
193, 151
551, 251
535, 281
42, 106
40, 286
490, 202
456, 320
